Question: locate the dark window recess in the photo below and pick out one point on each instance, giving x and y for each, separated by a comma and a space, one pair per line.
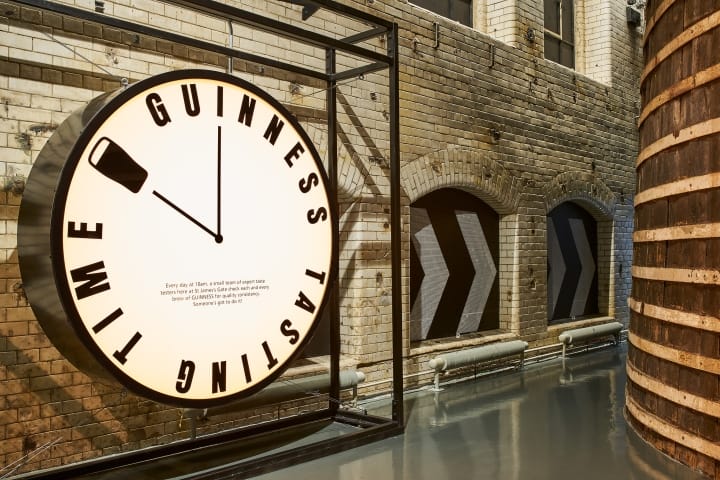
560, 32
572, 264
454, 266
320, 343
458, 10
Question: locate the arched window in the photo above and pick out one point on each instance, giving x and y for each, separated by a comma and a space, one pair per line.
572, 263
454, 286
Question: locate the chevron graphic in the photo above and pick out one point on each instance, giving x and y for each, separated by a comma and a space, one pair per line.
433, 264
557, 272
485, 271
572, 263
454, 286
587, 267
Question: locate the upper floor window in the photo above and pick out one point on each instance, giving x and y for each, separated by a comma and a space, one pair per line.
560, 32
458, 10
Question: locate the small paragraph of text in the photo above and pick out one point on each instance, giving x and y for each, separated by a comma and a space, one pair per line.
214, 293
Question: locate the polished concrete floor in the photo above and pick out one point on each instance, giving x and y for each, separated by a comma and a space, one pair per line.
553, 420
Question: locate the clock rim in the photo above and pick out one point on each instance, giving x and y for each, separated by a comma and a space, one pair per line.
64, 290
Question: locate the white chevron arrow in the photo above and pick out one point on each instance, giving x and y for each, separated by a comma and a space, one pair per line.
557, 264
433, 264
485, 271
587, 267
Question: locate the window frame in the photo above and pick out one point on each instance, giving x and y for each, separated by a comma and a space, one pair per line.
559, 36
450, 4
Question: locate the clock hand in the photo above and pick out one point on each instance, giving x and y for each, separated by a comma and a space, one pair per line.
219, 185
217, 236
112, 161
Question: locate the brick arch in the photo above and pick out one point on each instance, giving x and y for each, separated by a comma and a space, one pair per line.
475, 173
596, 198
465, 169
583, 188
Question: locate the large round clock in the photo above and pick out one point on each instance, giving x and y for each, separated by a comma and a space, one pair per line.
177, 236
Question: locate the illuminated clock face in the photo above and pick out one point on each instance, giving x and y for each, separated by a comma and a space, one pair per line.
196, 237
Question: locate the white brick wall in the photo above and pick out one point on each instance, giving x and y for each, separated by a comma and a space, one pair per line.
553, 124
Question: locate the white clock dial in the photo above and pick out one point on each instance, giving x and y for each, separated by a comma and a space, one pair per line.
196, 237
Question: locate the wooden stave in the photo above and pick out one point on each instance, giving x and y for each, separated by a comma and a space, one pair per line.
671, 425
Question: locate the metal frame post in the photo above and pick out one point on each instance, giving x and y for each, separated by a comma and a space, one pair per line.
334, 305
370, 428
395, 228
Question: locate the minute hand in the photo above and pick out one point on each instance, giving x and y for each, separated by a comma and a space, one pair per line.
219, 183
216, 236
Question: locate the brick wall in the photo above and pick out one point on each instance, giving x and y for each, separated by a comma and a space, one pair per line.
484, 112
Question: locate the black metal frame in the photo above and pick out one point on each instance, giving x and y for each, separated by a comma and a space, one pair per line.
373, 428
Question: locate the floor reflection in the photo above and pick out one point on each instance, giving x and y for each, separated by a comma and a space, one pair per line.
554, 420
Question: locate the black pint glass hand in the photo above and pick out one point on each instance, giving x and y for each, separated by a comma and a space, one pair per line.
112, 161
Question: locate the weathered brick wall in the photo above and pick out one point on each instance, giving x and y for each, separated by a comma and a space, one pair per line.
484, 112
543, 123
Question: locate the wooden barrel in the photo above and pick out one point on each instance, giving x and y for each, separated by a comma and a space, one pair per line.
673, 388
